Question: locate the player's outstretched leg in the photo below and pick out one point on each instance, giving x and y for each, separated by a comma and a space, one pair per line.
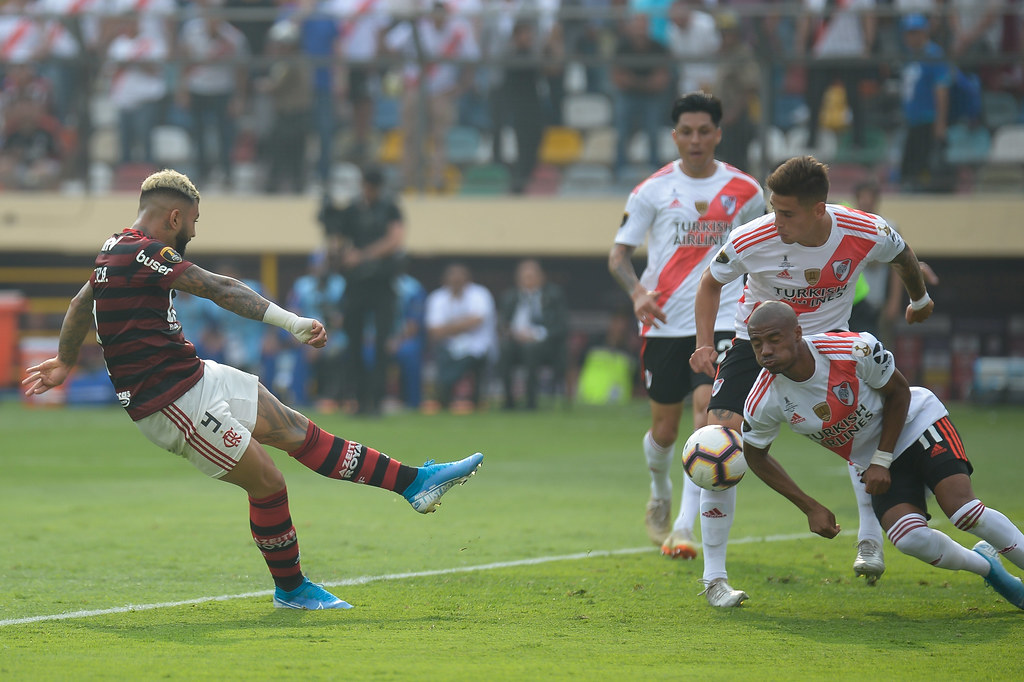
434, 480
992, 526
309, 596
680, 544
870, 561
347, 460
911, 535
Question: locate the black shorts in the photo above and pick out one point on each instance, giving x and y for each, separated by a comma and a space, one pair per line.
936, 455
665, 364
735, 377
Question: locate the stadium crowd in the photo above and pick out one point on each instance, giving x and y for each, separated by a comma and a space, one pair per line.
496, 95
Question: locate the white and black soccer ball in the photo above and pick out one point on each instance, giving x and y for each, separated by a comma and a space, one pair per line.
713, 457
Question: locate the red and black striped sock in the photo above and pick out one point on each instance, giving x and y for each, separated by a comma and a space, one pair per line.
272, 529
347, 460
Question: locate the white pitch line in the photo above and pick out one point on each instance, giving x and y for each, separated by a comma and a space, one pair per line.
362, 580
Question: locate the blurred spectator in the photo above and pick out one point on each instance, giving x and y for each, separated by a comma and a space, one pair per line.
319, 41
71, 30
518, 101
198, 318
243, 337
289, 84
583, 25
641, 79
320, 294
837, 37
253, 18
553, 52
213, 88
22, 81
693, 39
20, 34
30, 158
362, 22
137, 87
409, 341
872, 285
439, 41
157, 18
372, 240
926, 81
738, 86
988, 29
460, 323
658, 13
533, 325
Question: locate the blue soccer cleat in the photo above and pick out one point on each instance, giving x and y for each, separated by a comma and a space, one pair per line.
309, 596
999, 579
434, 480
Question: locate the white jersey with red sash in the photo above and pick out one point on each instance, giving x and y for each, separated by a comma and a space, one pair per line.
686, 221
839, 407
816, 281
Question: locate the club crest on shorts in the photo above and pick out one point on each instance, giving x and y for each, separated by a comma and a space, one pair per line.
716, 387
823, 411
812, 275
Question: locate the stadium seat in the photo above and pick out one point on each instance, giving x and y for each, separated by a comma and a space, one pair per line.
778, 148
631, 176
873, 151
171, 145
599, 146
585, 111
128, 177
101, 177
967, 144
485, 179
544, 181
462, 145
102, 112
104, 145
1008, 145
509, 146
586, 179
575, 78
561, 145
825, 150
999, 109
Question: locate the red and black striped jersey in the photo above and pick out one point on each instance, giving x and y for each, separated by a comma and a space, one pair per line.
149, 361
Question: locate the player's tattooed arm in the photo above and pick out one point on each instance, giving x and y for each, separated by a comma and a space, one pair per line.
227, 292
77, 323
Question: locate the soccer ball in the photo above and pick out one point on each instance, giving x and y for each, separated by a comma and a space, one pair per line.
713, 457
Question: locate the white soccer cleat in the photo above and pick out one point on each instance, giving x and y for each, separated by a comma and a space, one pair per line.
720, 593
870, 561
679, 545
656, 519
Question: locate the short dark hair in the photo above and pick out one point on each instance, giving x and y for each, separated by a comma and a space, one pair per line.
697, 101
803, 177
373, 175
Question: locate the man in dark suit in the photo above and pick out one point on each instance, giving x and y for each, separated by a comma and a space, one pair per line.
533, 324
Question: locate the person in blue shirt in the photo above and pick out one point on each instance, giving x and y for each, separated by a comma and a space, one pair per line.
925, 92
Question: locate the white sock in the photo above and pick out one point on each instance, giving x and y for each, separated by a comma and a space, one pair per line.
869, 528
659, 461
717, 509
993, 527
912, 536
689, 506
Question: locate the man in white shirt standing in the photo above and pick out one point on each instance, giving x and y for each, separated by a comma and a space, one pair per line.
843, 391
460, 321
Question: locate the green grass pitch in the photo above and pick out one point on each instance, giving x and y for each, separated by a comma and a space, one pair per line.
97, 519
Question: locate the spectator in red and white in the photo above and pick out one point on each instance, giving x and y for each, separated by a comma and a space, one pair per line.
138, 87
214, 85
156, 17
20, 33
445, 40
30, 158
361, 25
60, 52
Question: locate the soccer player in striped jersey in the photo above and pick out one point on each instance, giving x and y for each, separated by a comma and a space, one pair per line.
809, 254
216, 416
844, 392
685, 211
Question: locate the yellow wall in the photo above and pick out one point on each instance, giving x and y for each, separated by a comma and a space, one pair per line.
976, 226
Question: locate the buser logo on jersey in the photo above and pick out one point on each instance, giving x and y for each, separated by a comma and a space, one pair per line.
148, 262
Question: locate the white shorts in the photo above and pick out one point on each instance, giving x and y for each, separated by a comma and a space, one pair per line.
211, 424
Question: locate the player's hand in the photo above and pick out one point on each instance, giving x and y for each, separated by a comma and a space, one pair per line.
703, 360
318, 335
647, 310
822, 522
876, 479
919, 315
44, 376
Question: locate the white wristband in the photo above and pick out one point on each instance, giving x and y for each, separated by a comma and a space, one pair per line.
882, 458
300, 327
921, 302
